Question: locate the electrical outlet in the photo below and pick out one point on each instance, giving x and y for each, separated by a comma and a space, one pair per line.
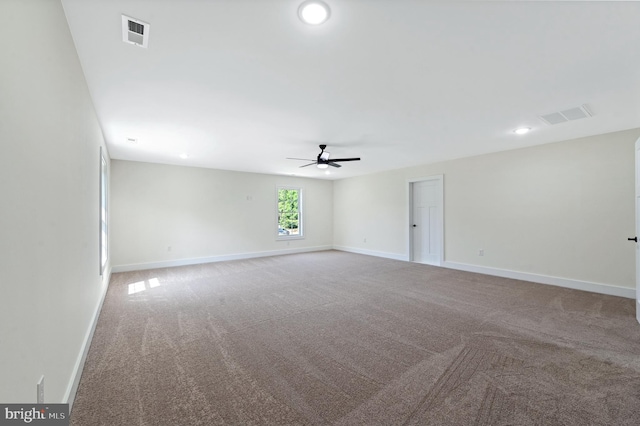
40, 387
168, 248
481, 252
364, 241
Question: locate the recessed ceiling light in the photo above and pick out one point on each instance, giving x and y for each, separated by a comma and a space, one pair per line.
184, 156
522, 130
327, 172
132, 141
314, 12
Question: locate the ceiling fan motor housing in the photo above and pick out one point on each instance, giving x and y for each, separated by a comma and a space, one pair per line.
323, 157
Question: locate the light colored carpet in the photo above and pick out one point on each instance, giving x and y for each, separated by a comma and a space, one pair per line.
345, 339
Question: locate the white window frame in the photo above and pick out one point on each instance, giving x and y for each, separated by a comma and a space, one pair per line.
103, 248
300, 234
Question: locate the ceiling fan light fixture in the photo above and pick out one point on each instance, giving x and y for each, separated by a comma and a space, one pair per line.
322, 165
314, 12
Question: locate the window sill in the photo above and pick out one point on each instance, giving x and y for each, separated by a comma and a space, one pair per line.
289, 237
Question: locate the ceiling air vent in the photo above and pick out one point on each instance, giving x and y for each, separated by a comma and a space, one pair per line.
566, 115
135, 31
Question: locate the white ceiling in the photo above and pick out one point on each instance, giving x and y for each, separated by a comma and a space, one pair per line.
241, 85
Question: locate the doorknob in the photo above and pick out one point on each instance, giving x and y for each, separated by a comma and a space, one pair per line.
630, 239
414, 225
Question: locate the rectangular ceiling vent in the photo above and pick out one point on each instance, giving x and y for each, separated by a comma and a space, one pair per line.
566, 115
135, 31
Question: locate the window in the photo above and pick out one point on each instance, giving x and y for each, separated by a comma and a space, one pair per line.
104, 240
290, 213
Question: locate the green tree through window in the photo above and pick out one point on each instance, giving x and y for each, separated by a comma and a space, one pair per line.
289, 222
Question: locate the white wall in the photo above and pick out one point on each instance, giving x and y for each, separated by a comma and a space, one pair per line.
560, 210
50, 286
206, 215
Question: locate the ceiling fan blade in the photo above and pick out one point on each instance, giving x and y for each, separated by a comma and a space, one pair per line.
310, 164
303, 159
331, 163
345, 159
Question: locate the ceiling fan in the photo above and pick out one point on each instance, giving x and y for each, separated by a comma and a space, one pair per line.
323, 160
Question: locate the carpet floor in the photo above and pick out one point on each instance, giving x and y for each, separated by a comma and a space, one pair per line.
335, 338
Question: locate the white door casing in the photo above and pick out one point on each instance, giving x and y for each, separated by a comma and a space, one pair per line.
426, 230
637, 229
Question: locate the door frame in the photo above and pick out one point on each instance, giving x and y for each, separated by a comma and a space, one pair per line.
637, 224
440, 185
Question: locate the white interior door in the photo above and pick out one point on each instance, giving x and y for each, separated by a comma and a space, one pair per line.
637, 229
426, 221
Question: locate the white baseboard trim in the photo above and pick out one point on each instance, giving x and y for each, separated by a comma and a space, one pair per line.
610, 290
72, 387
545, 279
394, 256
209, 259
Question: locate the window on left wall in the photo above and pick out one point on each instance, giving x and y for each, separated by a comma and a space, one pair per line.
104, 229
